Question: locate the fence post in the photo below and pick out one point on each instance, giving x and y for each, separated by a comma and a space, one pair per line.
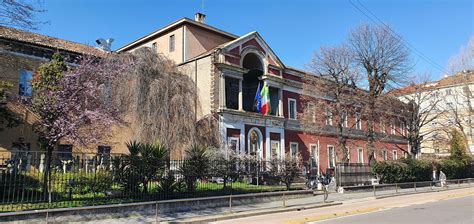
459, 183
431, 185
156, 212
373, 186
230, 203
284, 202
414, 186
396, 188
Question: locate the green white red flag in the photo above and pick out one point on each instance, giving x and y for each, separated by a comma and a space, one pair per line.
265, 101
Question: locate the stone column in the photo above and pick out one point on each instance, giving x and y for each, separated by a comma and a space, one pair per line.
280, 102
222, 92
241, 98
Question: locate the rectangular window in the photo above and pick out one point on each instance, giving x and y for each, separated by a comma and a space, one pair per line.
358, 122
65, 152
275, 148
232, 93
331, 156
395, 156
314, 156
329, 117
405, 154
384, 155
348, 155
402, 128
104, 155
312, 112
233, 144
293, 148
153, 47
25, 83
172, 43
360, 155
292, 108
344, 120
393, 129
448, 92
382, 126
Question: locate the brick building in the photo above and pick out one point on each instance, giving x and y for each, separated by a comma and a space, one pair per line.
227, 70
21, 53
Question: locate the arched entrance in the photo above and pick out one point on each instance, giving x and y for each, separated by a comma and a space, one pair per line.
251, 79
255, 143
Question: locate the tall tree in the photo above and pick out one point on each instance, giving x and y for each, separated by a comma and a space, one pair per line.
20, 13
385, 61
464, 60
332, 89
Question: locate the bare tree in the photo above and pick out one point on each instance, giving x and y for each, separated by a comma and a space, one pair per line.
458, 106
20, 13
332, 90
385, 61
423, 107
464, 60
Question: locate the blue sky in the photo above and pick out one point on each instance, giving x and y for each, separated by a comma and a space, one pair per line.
294, 29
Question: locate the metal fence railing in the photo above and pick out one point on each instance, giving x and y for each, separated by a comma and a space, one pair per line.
81, 179
412, 187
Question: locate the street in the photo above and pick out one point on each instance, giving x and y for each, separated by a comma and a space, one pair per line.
458, 210
454, 206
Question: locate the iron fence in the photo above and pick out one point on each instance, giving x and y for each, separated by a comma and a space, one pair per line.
81, 179
352, 174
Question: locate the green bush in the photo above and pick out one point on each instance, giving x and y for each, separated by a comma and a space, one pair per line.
83, 183
457, 169
403, 170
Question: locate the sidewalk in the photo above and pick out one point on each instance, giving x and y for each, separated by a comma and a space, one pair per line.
275, 206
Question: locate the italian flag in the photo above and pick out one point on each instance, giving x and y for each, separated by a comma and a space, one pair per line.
265, 97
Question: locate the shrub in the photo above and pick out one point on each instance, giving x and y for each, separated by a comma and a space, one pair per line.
286, 170
456, 169
196, 166
83, 183
403, 170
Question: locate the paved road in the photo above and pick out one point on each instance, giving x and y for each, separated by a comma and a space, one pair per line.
459, 210
366, 206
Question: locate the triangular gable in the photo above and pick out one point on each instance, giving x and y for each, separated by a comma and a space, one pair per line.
252, 39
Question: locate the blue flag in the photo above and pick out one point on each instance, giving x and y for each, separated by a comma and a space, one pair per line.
258, 100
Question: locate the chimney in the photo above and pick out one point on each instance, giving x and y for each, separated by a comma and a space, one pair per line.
199, 17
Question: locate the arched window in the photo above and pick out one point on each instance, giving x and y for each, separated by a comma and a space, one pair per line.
255, 142
253, 63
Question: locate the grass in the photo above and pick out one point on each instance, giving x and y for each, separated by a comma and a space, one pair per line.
61, 198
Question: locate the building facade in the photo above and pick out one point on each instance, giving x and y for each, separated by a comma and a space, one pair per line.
21, 53
228, 70
449, 105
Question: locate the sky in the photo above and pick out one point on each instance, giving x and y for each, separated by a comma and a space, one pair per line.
435, 30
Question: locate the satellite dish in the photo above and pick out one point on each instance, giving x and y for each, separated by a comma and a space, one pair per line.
105, 45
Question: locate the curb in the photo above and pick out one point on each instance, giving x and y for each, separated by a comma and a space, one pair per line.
419, 192
245, 214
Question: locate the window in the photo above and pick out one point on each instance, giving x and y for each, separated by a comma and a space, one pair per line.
405, 154
312, 112
314, 156
293, 148
344, 120
153, 47
358, 122
172, 42
392, 127
331, 156
233, 144
25, 83
395, 156
382, 126
329, 117
275, 148
292, 108
348, 155
448, 92
402, 128
104, 155
360, 155
384, 155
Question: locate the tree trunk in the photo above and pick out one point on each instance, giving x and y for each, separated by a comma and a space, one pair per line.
371, 134
47, 170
